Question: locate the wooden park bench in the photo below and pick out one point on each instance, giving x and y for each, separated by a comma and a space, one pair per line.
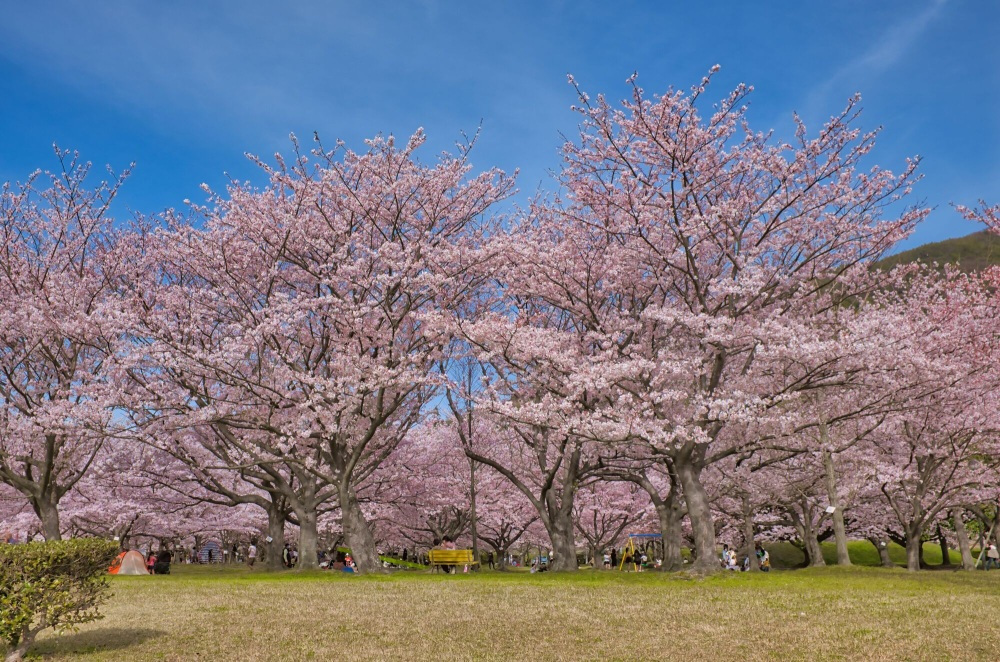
440, 557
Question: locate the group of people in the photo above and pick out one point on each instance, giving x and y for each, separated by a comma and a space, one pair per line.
540, 564
338, 561
159, 563
728, 559
629, 559
445, 543
289, 556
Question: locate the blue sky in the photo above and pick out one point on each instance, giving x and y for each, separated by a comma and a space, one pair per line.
186, 88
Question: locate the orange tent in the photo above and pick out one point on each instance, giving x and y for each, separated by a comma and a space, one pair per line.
129, 563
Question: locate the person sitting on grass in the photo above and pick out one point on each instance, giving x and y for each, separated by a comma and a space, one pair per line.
763, 559
163, 559
730, 559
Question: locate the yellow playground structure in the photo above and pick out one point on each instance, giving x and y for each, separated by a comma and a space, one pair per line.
631, 551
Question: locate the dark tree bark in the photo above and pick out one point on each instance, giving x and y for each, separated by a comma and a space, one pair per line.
962, 535
943, 542
839, 530
700, 514
882, 546
357, 533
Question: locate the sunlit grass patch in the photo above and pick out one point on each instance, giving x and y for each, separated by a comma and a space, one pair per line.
831, 613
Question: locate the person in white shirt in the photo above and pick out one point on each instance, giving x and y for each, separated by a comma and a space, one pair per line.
992, 557
251, 554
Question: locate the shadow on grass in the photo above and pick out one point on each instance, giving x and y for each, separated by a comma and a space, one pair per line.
92, 641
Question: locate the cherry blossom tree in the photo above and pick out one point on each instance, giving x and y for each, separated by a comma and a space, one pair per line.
308, 314
546, 467
934, 454
662, 298
505, 516
59, 322
215, 465
424, 486
604, 511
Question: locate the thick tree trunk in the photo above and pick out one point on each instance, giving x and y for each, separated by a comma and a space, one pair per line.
945, 556
700, 514
839, 530
813, 549
913, 550
962, 535
801, 546
807, 534
17, 653
276, 532
595, 560
308, 541
48, 513
882, 546
670, 530
357, 533
560, 530
749, 548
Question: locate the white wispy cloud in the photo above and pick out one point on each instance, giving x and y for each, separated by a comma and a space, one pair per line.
889, 49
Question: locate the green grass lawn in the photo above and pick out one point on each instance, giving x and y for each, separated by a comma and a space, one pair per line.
222, 614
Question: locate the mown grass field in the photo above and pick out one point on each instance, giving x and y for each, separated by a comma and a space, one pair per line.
860, 613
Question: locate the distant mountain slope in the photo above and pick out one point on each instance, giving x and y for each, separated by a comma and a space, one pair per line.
972, 252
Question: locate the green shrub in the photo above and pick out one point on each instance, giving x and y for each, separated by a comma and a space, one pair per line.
57, 584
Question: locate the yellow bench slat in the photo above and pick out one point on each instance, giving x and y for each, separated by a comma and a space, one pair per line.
448, 556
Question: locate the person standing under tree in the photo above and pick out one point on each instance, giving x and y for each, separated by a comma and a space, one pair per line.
251, 554
992, 557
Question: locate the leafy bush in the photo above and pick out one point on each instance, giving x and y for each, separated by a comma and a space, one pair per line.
57, 584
